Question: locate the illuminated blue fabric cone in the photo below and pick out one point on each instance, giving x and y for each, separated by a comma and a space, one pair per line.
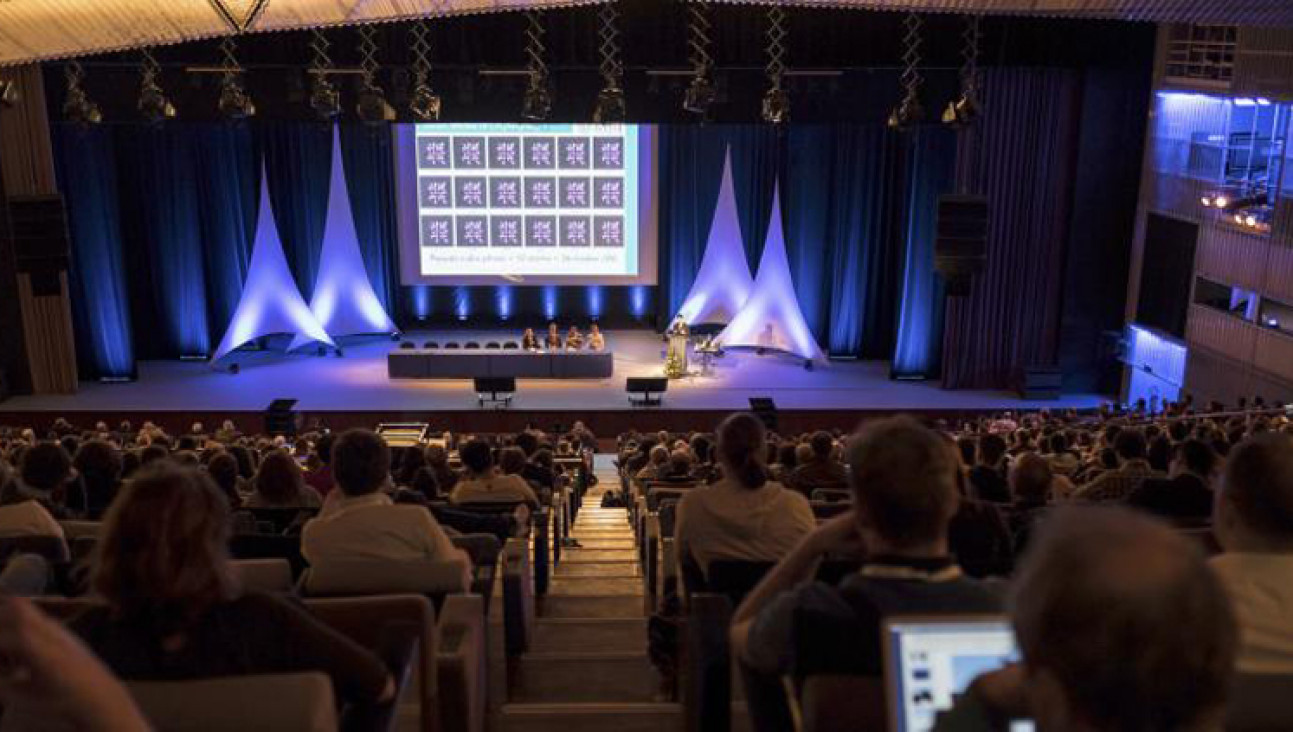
723, 282
270, 302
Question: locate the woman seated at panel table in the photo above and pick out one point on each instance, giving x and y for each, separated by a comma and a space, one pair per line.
596, 341
574, 339
554, 336
529, 341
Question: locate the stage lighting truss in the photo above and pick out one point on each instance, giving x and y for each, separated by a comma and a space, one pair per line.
537, 104
372, 107
325, 100
776, 102
966, 109
909, 113
9, 95
235, 103
153, 103
700, 94
77, 106
424, 102
610, 100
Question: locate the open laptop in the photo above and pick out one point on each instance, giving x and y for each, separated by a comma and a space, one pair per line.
930, 660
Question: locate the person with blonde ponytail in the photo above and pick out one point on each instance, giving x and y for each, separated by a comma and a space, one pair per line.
745, 515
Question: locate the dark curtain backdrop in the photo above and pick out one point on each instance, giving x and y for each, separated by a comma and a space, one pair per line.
1022, 157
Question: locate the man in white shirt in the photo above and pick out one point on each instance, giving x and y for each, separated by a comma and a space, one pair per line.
482, 483
1253, 521
359, 521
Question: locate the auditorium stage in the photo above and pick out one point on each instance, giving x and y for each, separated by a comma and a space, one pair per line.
358, 385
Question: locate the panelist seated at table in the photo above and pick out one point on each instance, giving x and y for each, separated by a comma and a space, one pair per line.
574, 339
596, 341
529, 341
554, 337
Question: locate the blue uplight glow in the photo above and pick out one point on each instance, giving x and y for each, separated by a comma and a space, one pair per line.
421, 301
637, 301
550, 302
594, 293
503, 301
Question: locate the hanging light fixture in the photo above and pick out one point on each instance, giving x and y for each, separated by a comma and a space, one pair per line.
153, 103
700, 94
325, 100
235, 103
610, 100
909, 113
776, 102
963, 111
372, 106
424, 102
537, 104
77, 106
9, 94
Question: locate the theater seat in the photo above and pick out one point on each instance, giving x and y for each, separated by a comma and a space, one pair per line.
511, 346
1259, 702
285, 702
493, 345
842, 703
52, 548
264, 575
351, 577
471, 344
452, 344
431, 344
407, 345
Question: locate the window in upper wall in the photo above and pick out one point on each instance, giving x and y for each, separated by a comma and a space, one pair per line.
1235, 144
1202, 53
1276, 315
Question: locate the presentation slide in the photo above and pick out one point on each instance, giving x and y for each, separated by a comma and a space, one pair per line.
526, 203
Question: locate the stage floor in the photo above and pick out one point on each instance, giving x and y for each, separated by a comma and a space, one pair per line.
358, 383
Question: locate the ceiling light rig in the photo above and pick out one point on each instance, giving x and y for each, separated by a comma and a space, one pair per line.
153, 103
966, 109
235, 103
77, 106
776, 102
325, 100
610, 100
909, 113
700, 94
537, 104
372, 107
424, 103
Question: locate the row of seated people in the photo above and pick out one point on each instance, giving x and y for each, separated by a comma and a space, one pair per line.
1102, 577
168, 605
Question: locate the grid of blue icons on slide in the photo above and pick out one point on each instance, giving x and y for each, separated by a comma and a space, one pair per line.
512, 191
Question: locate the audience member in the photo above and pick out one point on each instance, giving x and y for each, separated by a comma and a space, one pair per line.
988, 477
1254, 525
320, 478
360, 521
1133, 468
437, 458
223, 469
1030, 488
822, 471
99, 465
172, 606
1187, 494
483, 484
744, 516
1102, 581
280, 484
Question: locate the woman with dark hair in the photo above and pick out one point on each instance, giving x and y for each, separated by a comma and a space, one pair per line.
99, 464
280, 484
223, 469
743, 516
437, 460
246, 462
413, 460
172, 608
482, 482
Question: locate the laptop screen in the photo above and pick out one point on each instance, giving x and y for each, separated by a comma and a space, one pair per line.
931, 661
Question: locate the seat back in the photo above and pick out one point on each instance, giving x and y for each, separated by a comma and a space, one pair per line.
301, 702
483, 550
52, 548
1259, 702
823, 510
842, 704
77, 529
1203, 537
269, 546
657, 495
833, 495
431, 344
731, 579
279, 520
356, 577
264, 575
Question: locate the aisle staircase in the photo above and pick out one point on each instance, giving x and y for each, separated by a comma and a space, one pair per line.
587, 667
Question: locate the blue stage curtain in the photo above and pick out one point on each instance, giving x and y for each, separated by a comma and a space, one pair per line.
100, 302
691, 170
227, 170
370, 180
756, 163
1024, 161
160, 204
930, 167
298, 160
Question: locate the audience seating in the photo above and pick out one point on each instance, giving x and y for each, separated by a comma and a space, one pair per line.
452, 344
832, 495
281, 520
471, 344
493, 345
264, 575
269, 546
351, 577
301, 702
484, 550
511, 346
407, 345
80, 529
52, 548
842, 704
518, 597
431, 344
451, 672
1259, 702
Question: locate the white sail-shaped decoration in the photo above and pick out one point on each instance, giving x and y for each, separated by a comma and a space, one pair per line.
270, 302
771, 318
343, 302
723, 283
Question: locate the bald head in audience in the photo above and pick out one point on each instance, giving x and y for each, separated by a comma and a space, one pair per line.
1122, 626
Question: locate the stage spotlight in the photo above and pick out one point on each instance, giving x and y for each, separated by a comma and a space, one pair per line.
8, 93
235, 104
1221, 201
700, 95
1250, 220
610, 106
153, 103
908, 114
373, 106
537, 104
776, 106
962, 112
325, 100
1206, 201
425, 103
